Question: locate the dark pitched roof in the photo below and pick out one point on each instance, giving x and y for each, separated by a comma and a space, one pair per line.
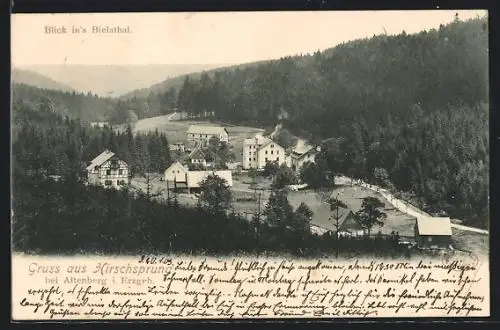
197, 154
349, 222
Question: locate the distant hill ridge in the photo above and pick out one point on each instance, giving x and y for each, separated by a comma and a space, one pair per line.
28, 77
177, 81
114, 80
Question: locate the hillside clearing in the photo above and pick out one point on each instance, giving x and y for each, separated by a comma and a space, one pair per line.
175, 130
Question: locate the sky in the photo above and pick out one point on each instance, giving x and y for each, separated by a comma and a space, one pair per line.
205, 38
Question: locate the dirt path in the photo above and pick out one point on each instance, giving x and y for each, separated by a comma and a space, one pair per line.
171, 115
406, 207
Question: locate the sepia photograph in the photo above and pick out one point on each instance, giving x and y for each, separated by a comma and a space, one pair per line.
243, 164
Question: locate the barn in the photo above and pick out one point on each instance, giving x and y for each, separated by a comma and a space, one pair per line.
433, 232
349, 225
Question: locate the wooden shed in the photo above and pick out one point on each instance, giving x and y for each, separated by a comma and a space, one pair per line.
433, 232
349, 225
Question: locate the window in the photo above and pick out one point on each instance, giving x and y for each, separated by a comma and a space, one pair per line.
278, 159
249, 159
266, 159
254, 159
108, 182
96, 168
272, 145
120, 172
108, 172
272, 152
266, 152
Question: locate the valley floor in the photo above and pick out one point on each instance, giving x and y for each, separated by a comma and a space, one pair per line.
245, 202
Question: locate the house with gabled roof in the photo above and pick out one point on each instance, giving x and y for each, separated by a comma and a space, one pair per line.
176, 176
108, 170
179, 177
200, 135
349, 225
298, 157
433, 232
179, 146
198, 157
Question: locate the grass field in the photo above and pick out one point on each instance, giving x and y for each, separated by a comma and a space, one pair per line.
351, 195
475, 243
160, 187
176, 130
241, 189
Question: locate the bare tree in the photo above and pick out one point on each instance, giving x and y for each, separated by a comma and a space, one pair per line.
335, 205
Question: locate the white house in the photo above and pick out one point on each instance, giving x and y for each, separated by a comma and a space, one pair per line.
301, 154
200, 135
99, 124
178, 176
179, 146
259, 150
176, 172
108, 171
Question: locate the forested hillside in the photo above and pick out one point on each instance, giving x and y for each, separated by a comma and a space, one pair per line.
22, 76
177, 81
440, 160
371, 78
87, 107
45, 142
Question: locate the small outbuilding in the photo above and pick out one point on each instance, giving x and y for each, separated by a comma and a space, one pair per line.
433, 232
349, 225
198, 157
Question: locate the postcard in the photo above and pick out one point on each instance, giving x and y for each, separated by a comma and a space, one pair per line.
250, 165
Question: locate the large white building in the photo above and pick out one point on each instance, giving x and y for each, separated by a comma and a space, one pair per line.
259, 150
200, 135
108, 171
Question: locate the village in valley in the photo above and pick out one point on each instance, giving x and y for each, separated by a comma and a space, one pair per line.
335, 210
377, 145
